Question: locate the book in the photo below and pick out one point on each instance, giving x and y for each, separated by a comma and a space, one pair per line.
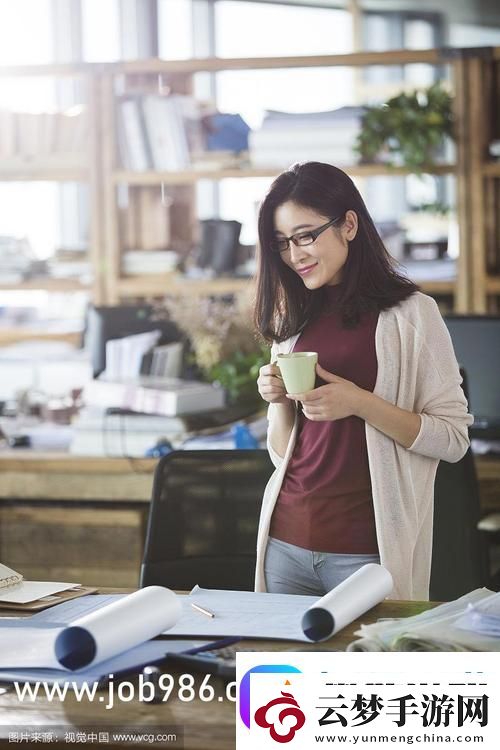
167, 396
124, 356
133, 142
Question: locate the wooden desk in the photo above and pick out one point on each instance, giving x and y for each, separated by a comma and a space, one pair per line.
79, 518
207, 726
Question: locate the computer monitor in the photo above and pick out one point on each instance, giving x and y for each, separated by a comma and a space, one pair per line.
476, 340
106, 323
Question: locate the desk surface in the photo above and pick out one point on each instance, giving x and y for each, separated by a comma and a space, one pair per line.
207, 726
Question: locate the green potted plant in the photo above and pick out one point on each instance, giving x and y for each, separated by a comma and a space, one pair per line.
224, 346
408, 130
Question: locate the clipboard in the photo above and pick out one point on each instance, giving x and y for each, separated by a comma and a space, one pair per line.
48, 601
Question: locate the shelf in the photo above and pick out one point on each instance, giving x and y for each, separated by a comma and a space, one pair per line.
156, 286
60, 169
15, 335
216, 64
46, 284
437, 287
54, 69
188, 177
491, 169
493, 284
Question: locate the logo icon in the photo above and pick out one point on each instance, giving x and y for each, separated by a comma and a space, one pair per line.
292, 710
265, 716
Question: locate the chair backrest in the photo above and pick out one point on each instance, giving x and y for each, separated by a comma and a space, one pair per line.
458, 558
203, 519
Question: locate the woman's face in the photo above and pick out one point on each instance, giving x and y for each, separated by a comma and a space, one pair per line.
321, 262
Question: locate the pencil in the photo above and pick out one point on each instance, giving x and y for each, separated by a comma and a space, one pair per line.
202, 610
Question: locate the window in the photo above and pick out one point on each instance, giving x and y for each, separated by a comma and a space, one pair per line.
100, 30
175, 39
260, 30
389, 197
23, 42
394, 30
257, 30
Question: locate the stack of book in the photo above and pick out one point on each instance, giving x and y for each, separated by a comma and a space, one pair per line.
158, 132
149, 262
43, 134
168, 397
70, 263
287, 137
16, 258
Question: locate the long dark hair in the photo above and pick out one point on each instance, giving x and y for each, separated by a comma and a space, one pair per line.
370, 281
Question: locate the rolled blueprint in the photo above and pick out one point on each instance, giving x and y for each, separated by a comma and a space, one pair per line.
121, 625
360, 592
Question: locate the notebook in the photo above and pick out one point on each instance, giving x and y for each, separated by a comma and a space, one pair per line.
8, 577
16, 593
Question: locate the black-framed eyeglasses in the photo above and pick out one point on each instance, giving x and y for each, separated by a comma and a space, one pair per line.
300, 239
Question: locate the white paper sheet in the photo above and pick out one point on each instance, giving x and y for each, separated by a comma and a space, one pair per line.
432, 625
242, 613
353, 597
260, 615
92, 638
137, 657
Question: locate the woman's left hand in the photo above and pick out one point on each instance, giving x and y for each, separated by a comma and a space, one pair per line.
335, 400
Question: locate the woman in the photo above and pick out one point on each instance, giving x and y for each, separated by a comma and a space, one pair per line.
356, 457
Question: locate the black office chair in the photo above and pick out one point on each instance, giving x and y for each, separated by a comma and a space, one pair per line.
203, 519
459, 559
458, 556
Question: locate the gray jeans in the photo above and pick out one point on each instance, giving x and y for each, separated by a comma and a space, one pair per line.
293, 570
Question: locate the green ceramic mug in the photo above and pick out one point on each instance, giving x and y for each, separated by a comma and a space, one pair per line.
298, 370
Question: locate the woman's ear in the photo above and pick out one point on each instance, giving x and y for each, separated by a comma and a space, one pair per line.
350, 225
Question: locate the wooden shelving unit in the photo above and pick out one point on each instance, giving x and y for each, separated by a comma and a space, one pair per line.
179, 75
157, 286
190, 177
60, 167
478, 119
475, 80
491, 169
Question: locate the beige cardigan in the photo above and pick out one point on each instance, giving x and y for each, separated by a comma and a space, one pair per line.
417, 371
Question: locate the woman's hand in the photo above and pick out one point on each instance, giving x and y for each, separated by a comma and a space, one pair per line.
335, 400
270, 385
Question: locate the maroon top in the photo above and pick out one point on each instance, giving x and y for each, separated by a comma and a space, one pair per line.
325, 503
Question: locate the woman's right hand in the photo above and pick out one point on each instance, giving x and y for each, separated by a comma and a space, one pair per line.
270, 385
